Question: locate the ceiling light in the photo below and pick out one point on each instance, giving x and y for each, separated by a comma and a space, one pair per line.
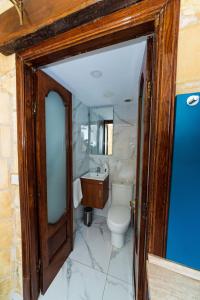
96, 74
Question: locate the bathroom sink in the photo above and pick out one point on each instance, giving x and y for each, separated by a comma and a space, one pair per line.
95, 176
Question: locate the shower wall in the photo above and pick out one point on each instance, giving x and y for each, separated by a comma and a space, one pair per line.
80, 117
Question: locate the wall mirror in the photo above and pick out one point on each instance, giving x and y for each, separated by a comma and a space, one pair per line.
101, 130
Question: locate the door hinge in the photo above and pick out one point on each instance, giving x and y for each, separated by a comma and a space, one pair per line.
35, 107
144, 209
38, 268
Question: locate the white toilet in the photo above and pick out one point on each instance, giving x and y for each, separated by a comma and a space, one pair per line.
119, 214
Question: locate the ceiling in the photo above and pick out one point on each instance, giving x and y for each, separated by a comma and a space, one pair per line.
118, 71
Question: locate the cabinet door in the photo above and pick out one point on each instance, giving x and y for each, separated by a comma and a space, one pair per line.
95, 193
54, 175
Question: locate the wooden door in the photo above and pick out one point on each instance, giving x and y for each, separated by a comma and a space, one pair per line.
141, 195
54, 175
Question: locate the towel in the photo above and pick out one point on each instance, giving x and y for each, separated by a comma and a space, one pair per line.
77, 192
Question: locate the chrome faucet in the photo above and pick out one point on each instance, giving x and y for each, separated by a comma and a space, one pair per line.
98, 170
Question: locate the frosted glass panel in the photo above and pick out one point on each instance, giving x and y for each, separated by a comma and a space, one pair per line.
55, 156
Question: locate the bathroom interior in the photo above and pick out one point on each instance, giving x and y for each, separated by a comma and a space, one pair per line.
105, 88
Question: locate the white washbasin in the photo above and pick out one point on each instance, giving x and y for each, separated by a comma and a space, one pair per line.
95, 176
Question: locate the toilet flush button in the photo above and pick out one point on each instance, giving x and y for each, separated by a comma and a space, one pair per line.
193, 100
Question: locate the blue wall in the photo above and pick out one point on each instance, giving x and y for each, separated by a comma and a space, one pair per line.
183, 245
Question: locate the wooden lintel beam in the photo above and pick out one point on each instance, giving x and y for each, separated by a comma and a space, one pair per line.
45, 19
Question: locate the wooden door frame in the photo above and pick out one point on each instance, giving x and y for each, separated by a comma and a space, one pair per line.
142, 171
158, 17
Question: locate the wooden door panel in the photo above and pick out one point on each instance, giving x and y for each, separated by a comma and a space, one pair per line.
143, 148
55, 225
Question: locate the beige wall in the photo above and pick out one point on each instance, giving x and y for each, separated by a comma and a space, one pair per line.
188, 75
10, 237
188, 80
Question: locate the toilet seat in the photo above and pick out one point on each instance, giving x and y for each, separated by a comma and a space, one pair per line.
119, 216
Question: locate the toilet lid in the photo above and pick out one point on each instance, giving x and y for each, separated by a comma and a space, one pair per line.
119, 214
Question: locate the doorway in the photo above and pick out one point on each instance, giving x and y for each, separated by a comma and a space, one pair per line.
107, 31
104, 86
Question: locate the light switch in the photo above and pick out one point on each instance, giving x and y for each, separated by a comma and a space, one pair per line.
14, 179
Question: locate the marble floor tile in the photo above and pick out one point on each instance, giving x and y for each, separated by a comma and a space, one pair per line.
57, 289
84, 276
92, 245
76, 282
121, 261
82, 282
116, 289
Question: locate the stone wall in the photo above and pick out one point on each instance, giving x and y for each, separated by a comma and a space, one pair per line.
10, 235
188, 73
188, 80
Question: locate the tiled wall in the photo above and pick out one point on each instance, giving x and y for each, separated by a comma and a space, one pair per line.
80, 150
188, 80
122, 165
124, 145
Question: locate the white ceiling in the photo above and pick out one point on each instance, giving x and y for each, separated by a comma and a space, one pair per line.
120, 66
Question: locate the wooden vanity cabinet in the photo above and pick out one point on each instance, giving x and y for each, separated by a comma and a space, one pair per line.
95, 192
